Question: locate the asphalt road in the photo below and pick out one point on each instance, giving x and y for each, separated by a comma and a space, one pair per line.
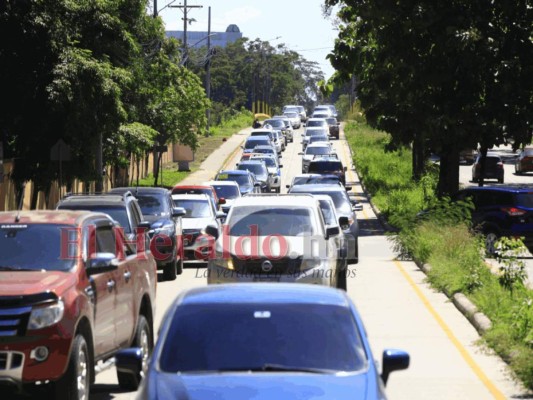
399, 310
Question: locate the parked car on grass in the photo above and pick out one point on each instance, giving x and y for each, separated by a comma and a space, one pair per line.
70, 298
165, 226
307, 341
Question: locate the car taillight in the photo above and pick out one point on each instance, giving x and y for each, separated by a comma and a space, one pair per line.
499, 165
513, 211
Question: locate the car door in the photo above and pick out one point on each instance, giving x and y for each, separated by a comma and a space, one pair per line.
101, 290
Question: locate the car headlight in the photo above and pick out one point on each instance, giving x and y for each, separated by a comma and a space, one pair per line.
224, 263
46, 316
309, 263
166, 229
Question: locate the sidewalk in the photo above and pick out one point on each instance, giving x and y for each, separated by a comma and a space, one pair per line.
217, 159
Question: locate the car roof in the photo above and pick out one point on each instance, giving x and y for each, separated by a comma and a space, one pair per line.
275, 201
319, 144
234, 172
265, 293
316, 119
259, 162
60, 217
108, 200
139, 189
318, 187
513, 188
222, 183
190, 197
265, 146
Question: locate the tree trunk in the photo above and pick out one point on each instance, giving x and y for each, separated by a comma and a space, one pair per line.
157, 161
418, 157
34, 197
448, 172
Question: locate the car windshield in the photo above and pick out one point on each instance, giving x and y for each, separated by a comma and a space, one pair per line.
194, 208
248, 337
251, 143
307, 180
118, 214
242, 180
316, 123
37, 247
276, 123
264, 151
318, 138
340, 199
286, 221
256, 169
325, 166
315, 132
269, 161
318, 150
152, 204
226, 191
291, 114
331, 121
290, 110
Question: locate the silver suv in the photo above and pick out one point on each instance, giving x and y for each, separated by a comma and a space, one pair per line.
276, 238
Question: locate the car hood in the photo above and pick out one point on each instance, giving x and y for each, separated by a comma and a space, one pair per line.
156, 221
259, 386
273, 171
246, 188
257, 246
15, 283
196, 223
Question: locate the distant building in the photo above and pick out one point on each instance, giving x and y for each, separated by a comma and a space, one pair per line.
199, 39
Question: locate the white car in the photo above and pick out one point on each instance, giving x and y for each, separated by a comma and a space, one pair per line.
295, 119
280, 238
199, 214
299, 109
227, 190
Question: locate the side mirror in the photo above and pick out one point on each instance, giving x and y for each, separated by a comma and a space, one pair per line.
130, 361
236, 164
345, 169
212, 230
280, 166
288, 186
393, 360
220, 214
145, 224
241, 146
178, 212
301, 153
344, 222
357, 207
257, 184
102, 262
222, 200
332, 231
348, 188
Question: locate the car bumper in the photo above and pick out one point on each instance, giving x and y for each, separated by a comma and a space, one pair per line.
199, 252
316, 276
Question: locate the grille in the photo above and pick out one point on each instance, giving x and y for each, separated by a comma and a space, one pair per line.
190, 236
10, 360
283, 266
13, 321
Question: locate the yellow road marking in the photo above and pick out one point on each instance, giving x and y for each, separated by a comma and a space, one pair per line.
464, 353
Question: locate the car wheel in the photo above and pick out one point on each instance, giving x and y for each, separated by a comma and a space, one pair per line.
75, 383
500, 180
144, 340
170, 270
491, 238
341, 279
179, 265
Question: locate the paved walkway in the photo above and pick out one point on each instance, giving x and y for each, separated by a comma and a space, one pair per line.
217, 160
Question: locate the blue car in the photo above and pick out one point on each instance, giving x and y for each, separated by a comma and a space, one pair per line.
262, 341
245, 179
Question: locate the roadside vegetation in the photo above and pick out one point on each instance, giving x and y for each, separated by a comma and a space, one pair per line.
444, 238
232, 122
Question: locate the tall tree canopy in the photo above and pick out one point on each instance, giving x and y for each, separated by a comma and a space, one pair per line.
80, 69
442, 75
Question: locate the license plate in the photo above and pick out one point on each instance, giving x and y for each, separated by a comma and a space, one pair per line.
266, 279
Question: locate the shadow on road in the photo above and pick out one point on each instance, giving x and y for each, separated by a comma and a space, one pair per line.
370, 227
106, 391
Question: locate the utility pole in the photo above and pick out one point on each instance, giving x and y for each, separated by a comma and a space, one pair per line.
155, 8
185, 9
208, 69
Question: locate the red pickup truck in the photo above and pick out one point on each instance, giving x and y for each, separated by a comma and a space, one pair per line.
71, 294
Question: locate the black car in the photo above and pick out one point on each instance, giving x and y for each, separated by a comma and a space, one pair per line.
328, 165
333, 127
501, 211
493, 168
165, 226
344, 207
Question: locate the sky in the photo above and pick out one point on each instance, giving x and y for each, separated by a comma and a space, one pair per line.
299, 23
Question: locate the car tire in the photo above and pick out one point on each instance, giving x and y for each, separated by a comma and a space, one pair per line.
179, 265
500, 180
76, 381
490, 239
170, 270
278, 190
341, 279
143, 339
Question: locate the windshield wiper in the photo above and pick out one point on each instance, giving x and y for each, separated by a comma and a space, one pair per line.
7, 268
278, 368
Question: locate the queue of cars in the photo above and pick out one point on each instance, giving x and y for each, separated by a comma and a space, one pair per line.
96, 300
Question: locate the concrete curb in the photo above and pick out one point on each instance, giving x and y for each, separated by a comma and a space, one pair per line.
478, 320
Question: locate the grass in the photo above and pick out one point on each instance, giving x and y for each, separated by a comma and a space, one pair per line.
443, 239
206, 146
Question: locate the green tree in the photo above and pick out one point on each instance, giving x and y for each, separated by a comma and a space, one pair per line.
440, 76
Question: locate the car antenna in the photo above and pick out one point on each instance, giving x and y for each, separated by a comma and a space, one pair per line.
21, 201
